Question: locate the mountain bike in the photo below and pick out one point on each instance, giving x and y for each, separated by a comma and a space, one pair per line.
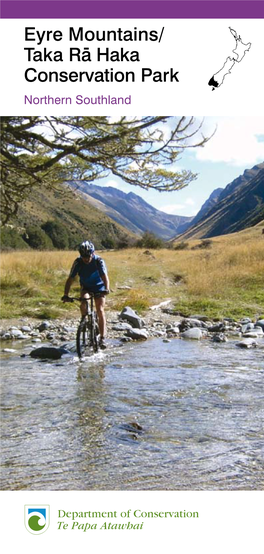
88, 329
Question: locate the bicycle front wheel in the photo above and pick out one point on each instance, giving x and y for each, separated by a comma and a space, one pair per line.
94, 331
82, 339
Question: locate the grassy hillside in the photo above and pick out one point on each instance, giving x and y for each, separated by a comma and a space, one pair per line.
80, 219
223, 279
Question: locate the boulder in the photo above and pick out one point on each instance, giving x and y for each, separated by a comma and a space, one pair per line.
247, 343
260, 323
245, 320
194, 334
247, 327
252, 334
122, 327
48, 353
137, 334
16, 333
44, 326
129, 314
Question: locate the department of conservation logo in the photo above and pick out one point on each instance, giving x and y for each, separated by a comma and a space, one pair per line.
37, 518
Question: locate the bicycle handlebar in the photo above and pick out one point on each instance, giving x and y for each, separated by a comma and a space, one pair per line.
79, 299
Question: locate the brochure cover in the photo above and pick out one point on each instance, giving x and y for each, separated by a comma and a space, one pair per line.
132, 248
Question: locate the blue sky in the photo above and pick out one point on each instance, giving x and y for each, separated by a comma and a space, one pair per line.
237, 144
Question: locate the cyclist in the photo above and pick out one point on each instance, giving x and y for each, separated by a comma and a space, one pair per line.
93, 278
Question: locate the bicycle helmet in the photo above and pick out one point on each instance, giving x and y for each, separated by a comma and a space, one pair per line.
86, 249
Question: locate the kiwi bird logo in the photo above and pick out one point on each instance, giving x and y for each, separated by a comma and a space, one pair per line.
37, 518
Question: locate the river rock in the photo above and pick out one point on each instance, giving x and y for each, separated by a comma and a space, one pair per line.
158, 333
245, 320
203, 318
218, 328
44, 326
6, 336
235, 333
247, 343
122, 327
259, 330
260, 323
16, 333
252, 334
25, 328
48, 352
173, 331
219, 338
10, 350
247, 327
137, 334
188, 323
194, 334
129, 314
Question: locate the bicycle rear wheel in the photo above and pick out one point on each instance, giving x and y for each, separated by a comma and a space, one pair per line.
82, 339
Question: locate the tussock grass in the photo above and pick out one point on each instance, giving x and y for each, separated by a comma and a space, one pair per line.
226, 279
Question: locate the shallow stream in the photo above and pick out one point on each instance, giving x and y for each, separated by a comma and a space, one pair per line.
184, 415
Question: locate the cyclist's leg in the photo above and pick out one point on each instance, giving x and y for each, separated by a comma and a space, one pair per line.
100, 304
83, 305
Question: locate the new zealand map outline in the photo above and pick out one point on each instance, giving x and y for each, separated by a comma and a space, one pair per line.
237, 56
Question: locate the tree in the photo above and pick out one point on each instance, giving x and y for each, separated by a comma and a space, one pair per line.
45, 151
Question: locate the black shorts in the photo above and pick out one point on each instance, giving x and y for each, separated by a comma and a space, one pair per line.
98, 294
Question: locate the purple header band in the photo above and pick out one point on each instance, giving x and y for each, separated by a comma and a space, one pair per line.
160, 9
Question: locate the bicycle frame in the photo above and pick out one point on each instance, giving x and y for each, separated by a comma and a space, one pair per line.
88, 330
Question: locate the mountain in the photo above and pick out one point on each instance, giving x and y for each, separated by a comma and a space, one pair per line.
207, 206
238, 206
131, 211
79, 219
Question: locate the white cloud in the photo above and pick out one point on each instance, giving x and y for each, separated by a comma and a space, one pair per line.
235, 141
172, 208
112, 183
189, 202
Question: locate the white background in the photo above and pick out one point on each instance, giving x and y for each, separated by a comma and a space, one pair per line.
195, 48
229, 521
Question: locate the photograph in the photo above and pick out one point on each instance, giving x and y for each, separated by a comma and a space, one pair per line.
132, 303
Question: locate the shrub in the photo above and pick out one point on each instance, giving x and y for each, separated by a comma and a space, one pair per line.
11, 240
36, 238
57, 232
126, 242
108, 242
149, 240
181, 245
206, 243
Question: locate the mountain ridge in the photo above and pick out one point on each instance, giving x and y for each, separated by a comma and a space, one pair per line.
131, 210
239, 205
